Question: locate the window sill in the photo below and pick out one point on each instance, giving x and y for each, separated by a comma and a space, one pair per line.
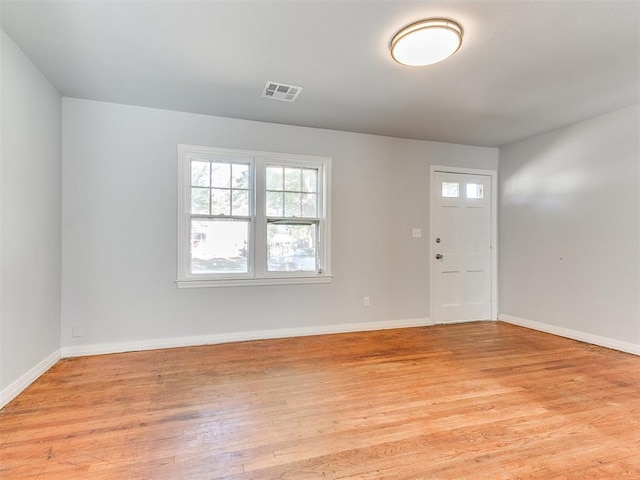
248, 282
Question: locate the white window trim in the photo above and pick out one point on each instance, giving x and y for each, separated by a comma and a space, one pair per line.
258, 274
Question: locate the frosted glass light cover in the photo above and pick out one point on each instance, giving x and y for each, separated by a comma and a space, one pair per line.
426, 42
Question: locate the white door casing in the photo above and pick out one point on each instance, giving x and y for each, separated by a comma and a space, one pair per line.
462, 245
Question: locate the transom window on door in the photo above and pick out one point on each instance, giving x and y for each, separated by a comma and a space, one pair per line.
248, 218
452, 190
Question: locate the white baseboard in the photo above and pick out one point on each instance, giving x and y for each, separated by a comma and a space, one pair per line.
105, 348
13, 390
452, 322
573, 334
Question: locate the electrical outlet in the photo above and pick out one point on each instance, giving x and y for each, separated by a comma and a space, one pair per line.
366, 302
416, 233
77, 331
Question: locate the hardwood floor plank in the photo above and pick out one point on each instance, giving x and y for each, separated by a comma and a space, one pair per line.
468, 401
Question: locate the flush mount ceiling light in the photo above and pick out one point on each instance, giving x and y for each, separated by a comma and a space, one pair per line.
426, 42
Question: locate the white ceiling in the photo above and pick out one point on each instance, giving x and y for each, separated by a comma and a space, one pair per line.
525, 67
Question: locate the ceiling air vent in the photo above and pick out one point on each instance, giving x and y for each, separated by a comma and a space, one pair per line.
281, 91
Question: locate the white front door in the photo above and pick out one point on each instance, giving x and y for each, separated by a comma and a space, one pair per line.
461, 247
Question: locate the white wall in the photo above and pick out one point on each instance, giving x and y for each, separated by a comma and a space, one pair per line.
30, 200
569, 228
119, 227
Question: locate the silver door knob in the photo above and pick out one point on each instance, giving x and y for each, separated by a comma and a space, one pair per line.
438, 256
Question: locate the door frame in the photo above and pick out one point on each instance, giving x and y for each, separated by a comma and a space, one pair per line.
494, 233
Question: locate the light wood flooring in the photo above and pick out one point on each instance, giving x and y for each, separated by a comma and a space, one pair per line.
468, 401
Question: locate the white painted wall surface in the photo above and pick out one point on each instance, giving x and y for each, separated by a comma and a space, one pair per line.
119, 226
569, 228
30, 200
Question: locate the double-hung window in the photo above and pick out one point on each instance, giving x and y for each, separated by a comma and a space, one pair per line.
252, 218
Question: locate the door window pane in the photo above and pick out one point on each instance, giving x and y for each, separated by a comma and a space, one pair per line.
219, 246
474, 190
450, 189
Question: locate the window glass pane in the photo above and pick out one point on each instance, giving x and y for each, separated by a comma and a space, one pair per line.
274, 204
292, 179
240, 202
240, 176
309, 205
450, 190
220, 202
291, 248
292, 204
221, 175
309, 180
474, 190
219, 246
200, 200
274, 178
200, 172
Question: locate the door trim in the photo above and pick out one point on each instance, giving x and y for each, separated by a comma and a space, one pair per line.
494, 231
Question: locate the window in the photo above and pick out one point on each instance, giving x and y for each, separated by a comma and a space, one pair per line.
252, 218
474, 190
450, 189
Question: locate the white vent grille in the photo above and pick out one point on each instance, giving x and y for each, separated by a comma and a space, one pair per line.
281, 91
